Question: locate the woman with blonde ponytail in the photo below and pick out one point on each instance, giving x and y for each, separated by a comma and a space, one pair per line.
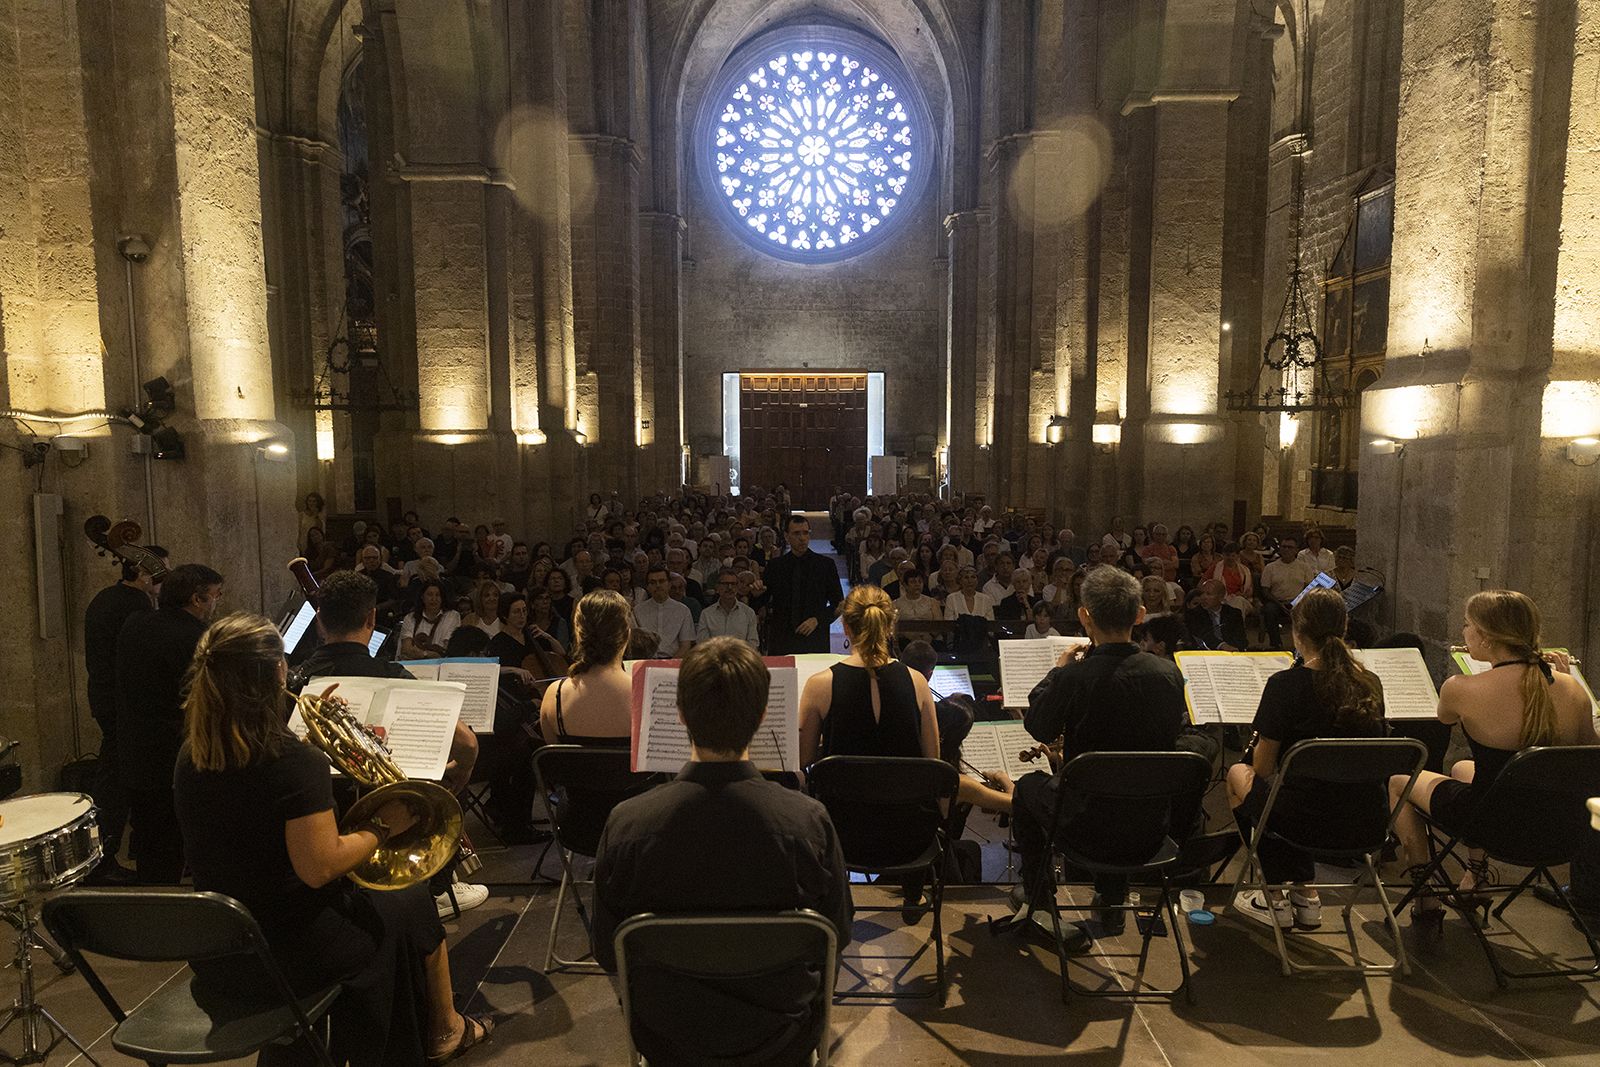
870, 704
1524, 699
1326, 694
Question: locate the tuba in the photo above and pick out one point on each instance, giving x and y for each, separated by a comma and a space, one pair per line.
406, 858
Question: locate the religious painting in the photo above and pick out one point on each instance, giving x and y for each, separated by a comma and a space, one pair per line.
1369, 317
1374, 231
1336, 321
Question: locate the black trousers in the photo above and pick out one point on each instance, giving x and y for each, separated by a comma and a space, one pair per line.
110, 798
1033, 806
157, 839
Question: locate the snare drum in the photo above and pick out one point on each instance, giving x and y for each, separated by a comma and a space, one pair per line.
47, 841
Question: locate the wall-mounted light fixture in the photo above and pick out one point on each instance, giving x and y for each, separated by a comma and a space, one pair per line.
1386, 446
273, 451
531, 437
1584, 451
1107, 435
1055, 430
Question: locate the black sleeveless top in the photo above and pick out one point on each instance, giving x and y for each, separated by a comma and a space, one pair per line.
850, 730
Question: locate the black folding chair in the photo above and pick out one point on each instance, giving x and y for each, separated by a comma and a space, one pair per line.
1150, 796
680, 975
174, 1025
1534, 815
886, 812
1351, 763
581, 786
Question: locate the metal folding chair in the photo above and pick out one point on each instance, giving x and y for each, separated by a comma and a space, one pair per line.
1353, 763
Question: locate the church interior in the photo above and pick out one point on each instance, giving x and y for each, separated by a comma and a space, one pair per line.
531, 268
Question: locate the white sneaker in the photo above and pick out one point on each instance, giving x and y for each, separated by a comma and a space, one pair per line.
468, 896
1307, 910
1253, 905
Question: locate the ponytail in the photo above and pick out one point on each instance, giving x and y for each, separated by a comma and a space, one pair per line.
1343, 684
1508, 618
233, 699
869, 615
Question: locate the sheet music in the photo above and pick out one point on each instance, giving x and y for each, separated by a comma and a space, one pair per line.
482, 679
419, 723
948, 680
809, 663
1408, 691
996, 748
1025, 661
1229, 682
358, 691
662, 744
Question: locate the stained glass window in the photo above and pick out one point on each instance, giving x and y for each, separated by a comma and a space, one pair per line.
815, 144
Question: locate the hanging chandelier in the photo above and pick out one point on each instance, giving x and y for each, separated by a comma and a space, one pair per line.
1293, 378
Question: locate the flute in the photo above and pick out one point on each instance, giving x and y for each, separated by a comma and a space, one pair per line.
1574, 660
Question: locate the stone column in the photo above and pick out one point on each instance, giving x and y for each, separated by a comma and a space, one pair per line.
661, 314
1188, 453
963, 231
1452, 502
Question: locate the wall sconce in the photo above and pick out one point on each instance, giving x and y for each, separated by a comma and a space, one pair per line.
580, 437
1584, 451
1055, 430
1107, 435
530, 437
1387, 446
274, 451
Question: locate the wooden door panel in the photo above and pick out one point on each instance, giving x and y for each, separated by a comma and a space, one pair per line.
808, 431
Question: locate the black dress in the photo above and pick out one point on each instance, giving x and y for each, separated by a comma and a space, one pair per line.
1454, 804
851, 730
375, 943
1328, 813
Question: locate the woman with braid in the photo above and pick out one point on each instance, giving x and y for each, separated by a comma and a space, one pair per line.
1525, 699
1326, 694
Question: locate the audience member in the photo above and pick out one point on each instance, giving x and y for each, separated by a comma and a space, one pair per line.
1314, 555
726, 617
1213, 624
486, 612
1043, 624
668, 619
1281, 582
427, 627
966, 600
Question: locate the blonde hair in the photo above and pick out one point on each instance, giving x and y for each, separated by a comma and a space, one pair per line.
601, 625
869, 616
234, 697
480, 596
1506, 617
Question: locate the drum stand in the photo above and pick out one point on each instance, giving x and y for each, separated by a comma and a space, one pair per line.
62, 961
36, 1022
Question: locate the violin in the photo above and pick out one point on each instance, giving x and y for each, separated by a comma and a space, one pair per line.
117, 539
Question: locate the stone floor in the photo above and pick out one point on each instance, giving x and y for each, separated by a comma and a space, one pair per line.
1004, 1004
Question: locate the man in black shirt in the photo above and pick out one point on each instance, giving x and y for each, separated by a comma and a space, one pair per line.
1213, 624
803, 594
153, 653
1114, 698
719, 838
102, 622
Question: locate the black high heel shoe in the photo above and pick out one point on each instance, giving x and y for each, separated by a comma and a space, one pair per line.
1427, 914
1470, 901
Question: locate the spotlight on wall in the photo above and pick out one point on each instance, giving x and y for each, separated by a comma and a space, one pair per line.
1055, 430
274, 451
1584, 451
1387, 446
1106, 435
530, 437
162, 400
167, 442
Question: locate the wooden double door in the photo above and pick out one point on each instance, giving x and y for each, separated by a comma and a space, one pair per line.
808, 431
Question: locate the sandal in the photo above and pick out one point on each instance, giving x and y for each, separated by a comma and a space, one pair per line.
475, 1029
1427, 914
1472, 899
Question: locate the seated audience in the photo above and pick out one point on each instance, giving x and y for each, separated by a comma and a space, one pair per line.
256, 808
427, 627
1155, 597
911, 605
1214, 624
1238, 583
726, 616
1018, 601
593, 704
1161, 635
670, 620
1043, 624
486, 613
1326, 694
1314, 555
1107, 697
1344, 566
721, 838
1281, 582
552, 629
966, 600
1523, 700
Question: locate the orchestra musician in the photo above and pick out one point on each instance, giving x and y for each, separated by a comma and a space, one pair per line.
255, 805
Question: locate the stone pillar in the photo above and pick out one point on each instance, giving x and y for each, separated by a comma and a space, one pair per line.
1454, 502
960, 439
1188, 457
661, 314
448, 238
